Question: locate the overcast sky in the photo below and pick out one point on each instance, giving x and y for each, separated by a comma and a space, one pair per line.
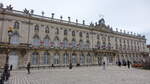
130, 15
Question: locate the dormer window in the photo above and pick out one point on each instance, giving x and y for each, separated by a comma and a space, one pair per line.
57, 31
87, 35
73, 33
16, 25
36, 28
47, 29
65, 32
80, 34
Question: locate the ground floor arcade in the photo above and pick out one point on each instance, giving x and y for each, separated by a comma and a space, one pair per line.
45, 58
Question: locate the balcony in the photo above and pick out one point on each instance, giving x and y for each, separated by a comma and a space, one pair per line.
11, 46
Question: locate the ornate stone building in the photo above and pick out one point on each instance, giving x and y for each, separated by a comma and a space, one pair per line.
44, 41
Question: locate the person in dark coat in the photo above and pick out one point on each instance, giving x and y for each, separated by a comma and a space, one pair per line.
128, 63
11, 66
28, 67
70, 66
104, 65
119, 63
53, 66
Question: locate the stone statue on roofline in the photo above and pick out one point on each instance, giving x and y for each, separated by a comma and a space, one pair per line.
1, 5
26, 11
9, 7
32, 11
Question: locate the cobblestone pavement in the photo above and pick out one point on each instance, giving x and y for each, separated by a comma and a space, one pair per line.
82, 75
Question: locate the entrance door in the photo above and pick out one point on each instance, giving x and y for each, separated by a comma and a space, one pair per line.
13, 59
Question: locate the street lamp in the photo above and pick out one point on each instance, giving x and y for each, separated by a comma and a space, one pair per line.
6, 72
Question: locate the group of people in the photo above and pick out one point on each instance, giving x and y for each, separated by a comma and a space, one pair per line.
124, 63
70, 65
29, 66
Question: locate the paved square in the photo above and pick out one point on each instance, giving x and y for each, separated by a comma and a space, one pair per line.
82, 75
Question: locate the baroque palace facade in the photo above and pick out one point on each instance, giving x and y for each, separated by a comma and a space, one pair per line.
44, 41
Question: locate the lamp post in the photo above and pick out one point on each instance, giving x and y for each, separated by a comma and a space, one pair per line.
6, 72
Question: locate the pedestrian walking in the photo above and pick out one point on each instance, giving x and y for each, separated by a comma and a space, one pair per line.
28, 67
128, 63
11, 66
119, 63
53, 66
70, 66
104, 65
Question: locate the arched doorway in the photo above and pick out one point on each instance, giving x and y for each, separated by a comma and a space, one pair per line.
35, 56
13, 59
74, 58
65, 58
56, 58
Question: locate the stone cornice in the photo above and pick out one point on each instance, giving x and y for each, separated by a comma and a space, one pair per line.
21, 14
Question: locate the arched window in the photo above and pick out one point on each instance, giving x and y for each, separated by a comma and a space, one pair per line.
81, 44
73, 43
56, 42
104, 45
109, 45
65, 43
80, 34
35, 58
46, 58
65, 58
57, 31
89, 58
36, 28
56, 59
87, 43
82, 59
74, 58
36, 41
46, 41
65, 32
73, 33
15, 38
47, 29
98, 45
98, 36
16, 25
87, 35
